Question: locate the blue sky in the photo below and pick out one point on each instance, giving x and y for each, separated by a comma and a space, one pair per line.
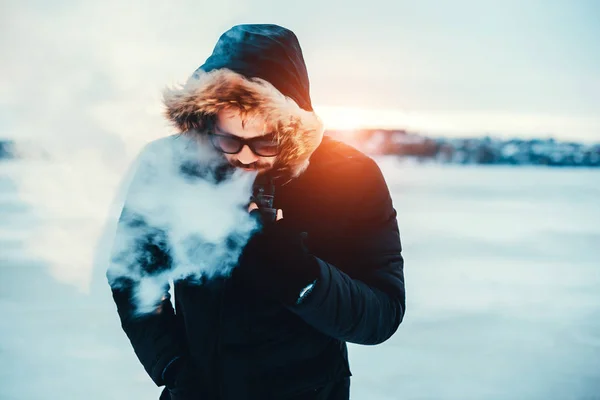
528, 68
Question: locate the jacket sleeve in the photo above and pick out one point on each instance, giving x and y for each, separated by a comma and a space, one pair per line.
362, 301
139, 251
153, 336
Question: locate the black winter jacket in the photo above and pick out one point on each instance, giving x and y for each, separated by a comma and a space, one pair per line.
246, 347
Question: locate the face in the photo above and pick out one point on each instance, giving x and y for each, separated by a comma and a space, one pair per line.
229, 123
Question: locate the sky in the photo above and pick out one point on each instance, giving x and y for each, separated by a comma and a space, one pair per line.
89, 70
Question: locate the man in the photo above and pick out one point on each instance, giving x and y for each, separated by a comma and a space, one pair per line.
328, 271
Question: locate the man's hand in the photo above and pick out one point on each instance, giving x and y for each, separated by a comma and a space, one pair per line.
275, 262
253, 207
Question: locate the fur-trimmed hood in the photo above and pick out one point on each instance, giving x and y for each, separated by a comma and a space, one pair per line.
258, 70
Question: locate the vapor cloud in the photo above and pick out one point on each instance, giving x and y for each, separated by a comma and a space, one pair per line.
182, 202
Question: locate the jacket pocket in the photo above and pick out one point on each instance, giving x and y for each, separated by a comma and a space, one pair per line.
310, 378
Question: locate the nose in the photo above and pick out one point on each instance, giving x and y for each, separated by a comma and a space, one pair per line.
246, 156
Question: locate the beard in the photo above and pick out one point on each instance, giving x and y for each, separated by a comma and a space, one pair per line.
256, 166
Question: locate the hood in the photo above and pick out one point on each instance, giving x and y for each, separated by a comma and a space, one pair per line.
259, 70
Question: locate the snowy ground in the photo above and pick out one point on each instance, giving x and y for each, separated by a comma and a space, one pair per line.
503, 289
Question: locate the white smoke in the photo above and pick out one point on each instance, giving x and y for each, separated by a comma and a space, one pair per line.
68, 189
170, 194
80, 108
176, 204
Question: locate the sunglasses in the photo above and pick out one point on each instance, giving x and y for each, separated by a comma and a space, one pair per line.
263, 146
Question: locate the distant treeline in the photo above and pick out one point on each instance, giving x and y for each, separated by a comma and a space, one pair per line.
6, 149
484, 150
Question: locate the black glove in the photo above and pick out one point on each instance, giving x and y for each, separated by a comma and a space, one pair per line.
182, 381
276, 263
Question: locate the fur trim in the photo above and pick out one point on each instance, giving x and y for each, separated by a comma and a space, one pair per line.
300, 131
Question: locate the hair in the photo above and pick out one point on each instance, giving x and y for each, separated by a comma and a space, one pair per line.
203, 123
191, 106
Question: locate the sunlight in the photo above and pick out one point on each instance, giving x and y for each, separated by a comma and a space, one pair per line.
344, 118
354, 118
460, 123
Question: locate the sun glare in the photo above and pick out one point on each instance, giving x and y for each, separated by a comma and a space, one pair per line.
456, 123
353, 119
343, 118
